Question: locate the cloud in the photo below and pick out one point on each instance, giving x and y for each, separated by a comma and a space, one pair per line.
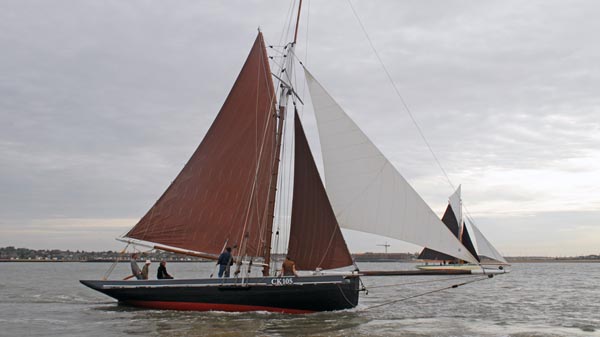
102, 103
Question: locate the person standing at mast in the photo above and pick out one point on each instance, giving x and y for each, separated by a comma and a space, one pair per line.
225, 261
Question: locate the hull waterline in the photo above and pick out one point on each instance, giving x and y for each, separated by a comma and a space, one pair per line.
274, 294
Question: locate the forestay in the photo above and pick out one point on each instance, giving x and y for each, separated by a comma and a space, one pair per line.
367, 193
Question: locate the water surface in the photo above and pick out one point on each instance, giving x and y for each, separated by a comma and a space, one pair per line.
539, 299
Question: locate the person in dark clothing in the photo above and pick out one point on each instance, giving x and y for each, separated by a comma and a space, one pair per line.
162, 271
225, 260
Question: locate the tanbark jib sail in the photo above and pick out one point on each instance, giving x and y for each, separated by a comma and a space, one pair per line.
222, 192
316, 240
366, 191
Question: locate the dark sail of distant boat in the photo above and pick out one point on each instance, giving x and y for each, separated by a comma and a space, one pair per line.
439, 262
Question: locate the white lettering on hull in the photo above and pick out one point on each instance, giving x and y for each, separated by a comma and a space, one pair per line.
284, 281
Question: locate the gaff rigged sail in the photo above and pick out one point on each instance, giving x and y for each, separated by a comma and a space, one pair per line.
224, 187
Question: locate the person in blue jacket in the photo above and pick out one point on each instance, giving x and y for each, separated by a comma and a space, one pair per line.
224, 262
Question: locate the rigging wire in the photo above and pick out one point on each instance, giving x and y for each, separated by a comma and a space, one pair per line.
421, 282
404, 104
423, 294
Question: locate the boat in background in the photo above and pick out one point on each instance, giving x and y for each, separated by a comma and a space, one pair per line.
489, 259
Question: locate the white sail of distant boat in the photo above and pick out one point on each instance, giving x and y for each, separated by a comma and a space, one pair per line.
454, 220
483, 246
366, 191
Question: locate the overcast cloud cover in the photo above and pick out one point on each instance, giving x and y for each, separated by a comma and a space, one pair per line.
102, 103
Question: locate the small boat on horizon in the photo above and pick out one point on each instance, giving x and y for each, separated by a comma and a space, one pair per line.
490, 261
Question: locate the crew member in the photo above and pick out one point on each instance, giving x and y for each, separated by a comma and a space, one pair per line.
288, 268
224, 262
162, 271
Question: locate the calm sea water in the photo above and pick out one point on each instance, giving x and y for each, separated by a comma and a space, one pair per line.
554, 299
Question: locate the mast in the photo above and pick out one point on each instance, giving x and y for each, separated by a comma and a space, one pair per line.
273, 192
297, 21
286, 73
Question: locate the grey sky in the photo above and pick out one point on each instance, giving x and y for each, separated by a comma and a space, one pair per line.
102, 102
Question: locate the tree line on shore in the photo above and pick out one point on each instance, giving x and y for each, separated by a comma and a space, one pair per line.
11, 253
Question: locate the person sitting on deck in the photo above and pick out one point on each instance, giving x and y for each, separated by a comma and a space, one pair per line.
162, 271
225, 261
135, 269
288, 267
145, 270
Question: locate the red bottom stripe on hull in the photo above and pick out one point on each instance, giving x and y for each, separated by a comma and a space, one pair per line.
197, 306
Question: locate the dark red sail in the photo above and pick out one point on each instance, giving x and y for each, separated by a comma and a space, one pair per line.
316, 240
222, 192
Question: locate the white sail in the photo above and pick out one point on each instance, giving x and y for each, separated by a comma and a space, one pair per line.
456, 205
367, 193
484, 247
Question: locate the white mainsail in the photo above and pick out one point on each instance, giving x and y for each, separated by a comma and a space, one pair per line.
367, 193
484, 247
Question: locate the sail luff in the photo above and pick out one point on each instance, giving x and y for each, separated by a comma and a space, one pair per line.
366, 191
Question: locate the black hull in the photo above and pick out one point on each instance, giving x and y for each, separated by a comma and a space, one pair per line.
275, 294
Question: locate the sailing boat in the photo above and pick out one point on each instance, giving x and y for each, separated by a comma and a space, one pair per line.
453, 216
225, 195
